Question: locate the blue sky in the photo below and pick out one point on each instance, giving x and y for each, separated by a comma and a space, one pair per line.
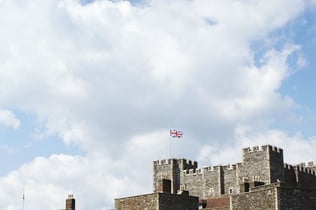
299, 85
90, 89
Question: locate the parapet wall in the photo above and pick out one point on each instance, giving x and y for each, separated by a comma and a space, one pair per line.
157, 201
260, 165
183, 163
262, 198
265, 149
211, 181
269, 148
308, 168
138, 202
301, 175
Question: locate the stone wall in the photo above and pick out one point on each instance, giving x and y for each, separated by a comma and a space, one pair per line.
305, 177
211, 181
177, 202
230, 180
260, 166
276, 164
157, 201
203, 183
295, 199
149, 202
263, 197
290, 175
255, 165
171, 169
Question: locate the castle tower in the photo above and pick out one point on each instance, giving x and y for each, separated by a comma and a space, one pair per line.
262, 165
70, 203
170, 170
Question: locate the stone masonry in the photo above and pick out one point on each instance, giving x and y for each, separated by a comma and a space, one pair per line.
261, 181
157, 201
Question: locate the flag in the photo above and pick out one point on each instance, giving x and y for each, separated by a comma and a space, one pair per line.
175, 133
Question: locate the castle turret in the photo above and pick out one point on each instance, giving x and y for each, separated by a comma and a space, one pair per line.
170, 170
262, 164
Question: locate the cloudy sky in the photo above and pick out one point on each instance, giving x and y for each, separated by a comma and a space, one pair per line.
89, 90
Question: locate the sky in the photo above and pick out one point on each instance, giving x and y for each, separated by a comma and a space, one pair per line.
90, 89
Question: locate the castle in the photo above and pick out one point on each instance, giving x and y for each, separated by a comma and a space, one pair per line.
261, 181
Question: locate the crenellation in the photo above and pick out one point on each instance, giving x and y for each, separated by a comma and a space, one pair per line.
162, 162
230, 167
192, 171
246, 150
207, 168
205, 171
288, 166
277, 149
187, 163
255, 149
264, 147
262, 165
254, 183
272, 149
190, 162
301, 168
305, 170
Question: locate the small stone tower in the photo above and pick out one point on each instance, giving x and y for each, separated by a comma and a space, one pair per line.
170, 170
264, 164
70, 203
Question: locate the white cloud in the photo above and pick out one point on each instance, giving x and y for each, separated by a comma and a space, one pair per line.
110, 78
8, 119
296, 149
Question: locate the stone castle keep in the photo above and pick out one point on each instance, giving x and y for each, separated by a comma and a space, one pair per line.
261, 181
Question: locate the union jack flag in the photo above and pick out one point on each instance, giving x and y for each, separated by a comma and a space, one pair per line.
175, 133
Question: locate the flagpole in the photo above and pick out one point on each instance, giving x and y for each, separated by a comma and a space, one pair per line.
170, 147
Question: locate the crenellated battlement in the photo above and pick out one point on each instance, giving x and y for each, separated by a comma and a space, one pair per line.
204, 170
210, 169
305, 169
252, 149
260, 165
162, 162
230, 167
168, 162
288, 166
302, 167
261, 180
269, 148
